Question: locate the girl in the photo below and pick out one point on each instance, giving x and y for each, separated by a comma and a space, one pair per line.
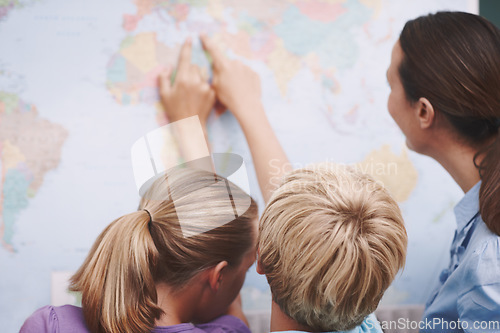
151, 271
144, 273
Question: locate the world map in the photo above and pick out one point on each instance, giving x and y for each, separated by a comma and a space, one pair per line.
79, 86
30, 147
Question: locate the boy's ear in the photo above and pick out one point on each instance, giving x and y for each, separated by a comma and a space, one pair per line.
215, 275
426, 114
259, 268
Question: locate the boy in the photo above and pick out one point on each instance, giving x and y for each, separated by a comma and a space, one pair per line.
331, 242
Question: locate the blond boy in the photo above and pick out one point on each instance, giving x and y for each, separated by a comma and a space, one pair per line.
331, 242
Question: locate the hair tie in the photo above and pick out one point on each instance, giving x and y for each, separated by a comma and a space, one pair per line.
497, 122
150, 217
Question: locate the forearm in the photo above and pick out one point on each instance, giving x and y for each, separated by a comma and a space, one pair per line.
238, 88
268, 156
191, 144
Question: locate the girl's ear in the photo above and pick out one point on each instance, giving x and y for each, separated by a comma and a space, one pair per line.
216, 274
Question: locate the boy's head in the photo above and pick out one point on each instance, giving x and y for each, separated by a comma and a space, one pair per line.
331, 242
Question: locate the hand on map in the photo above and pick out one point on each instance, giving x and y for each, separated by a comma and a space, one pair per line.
185, 91
236, 85
189, 94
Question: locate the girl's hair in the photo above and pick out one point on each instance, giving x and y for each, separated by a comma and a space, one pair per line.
453, 60
167, 241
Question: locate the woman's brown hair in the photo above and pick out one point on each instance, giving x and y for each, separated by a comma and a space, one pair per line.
167, 241
453, 60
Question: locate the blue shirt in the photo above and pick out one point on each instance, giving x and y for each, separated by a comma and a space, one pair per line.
467, 298
369, 325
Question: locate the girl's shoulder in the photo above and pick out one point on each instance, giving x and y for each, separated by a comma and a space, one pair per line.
49, 319
69, 318
226, 323
223, 324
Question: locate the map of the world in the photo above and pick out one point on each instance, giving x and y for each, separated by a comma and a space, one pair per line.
78, 85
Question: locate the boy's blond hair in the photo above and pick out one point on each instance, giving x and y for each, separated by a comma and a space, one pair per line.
331, 242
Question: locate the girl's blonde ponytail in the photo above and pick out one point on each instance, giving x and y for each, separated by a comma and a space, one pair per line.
118, 289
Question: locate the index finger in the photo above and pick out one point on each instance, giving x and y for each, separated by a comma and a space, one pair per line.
164, 79
212, 49
184, 56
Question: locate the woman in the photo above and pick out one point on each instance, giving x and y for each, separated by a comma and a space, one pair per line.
172, 263
445, 97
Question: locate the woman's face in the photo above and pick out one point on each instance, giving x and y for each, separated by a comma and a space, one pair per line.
402, 111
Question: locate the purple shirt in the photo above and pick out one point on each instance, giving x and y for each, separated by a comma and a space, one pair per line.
69, 319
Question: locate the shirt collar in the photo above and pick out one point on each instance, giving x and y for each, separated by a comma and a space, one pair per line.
468, 207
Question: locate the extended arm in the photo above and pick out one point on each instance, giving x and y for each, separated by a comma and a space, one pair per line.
238, 88
191, 95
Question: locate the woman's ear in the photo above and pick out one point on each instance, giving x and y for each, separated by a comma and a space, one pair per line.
426, 114
216, 274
